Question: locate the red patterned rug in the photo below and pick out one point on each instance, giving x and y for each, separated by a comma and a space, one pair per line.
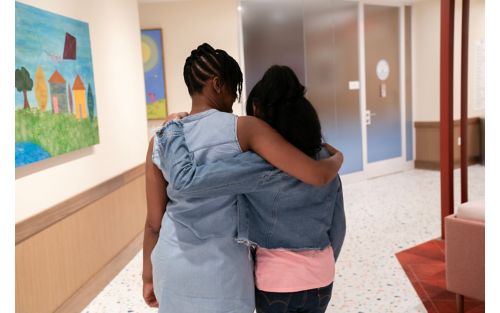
424, 265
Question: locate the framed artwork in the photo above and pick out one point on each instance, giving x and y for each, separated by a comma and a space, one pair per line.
55, 93
154, 73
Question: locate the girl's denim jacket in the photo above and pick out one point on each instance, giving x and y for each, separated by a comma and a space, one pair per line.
275, 210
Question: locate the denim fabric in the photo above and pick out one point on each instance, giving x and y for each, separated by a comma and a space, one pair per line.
275, 210
308, 301
197, 265
211, 136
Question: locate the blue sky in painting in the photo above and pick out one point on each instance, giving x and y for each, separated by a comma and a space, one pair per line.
40, 39
154, 77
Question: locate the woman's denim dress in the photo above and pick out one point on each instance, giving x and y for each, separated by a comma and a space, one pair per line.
197, 265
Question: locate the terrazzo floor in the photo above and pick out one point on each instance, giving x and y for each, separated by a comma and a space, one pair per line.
385, 215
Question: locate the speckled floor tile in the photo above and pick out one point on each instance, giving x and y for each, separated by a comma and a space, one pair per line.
384, 215
124, 293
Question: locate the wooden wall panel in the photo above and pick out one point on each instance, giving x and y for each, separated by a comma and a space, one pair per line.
55, 262
29, 227
427, 143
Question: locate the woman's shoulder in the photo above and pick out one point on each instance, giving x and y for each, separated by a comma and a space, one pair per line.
214, 118
247, 120
249, 127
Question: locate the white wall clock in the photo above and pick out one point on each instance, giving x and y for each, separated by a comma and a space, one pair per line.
383, 69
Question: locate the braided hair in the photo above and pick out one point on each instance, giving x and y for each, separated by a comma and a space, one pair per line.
206, 62
280, 101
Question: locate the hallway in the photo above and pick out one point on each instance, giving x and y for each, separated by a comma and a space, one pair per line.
384, 215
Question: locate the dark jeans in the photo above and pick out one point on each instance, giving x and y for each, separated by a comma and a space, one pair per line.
307, 301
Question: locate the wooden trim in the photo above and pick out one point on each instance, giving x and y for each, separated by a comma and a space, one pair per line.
33, 225
434, 165
446, 108
427, 143
83, 296
463, 101
426, 165
435, 124
56, 262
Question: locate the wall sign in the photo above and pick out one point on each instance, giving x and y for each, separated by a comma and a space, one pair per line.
383, 69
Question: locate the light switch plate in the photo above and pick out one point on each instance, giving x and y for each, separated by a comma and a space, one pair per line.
354, 85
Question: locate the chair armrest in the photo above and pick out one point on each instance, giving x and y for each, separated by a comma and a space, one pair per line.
464, 250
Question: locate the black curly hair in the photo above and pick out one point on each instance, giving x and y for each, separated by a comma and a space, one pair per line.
280, 100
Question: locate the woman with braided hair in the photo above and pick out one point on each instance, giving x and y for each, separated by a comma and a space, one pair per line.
192, 262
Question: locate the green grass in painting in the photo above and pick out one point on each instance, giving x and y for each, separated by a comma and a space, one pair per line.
56, 133
157, 110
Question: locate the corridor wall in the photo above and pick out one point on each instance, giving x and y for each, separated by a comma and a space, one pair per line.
185, 25
79, 212
426, 17
117, 62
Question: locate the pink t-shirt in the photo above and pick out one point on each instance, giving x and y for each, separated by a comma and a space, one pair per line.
280, 270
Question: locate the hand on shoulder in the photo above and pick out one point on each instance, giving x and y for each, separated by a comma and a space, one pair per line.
175, 116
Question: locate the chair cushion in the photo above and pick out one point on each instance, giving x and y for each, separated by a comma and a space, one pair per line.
472, 210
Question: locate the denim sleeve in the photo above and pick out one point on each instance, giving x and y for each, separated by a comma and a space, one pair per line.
338, 225
244, 173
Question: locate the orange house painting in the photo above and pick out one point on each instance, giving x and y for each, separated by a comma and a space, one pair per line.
79, 97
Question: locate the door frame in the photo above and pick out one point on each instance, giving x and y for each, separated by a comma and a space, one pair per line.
398, 164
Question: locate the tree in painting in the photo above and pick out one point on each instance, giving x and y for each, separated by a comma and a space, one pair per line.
90, 103
41, 90
24, 83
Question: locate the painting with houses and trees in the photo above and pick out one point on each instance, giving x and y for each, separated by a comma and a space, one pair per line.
54, 83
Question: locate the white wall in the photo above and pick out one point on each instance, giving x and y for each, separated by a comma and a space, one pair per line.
476, 33
185, 25
119, 83
426, 15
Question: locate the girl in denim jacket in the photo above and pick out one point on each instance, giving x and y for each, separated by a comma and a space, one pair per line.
298, 229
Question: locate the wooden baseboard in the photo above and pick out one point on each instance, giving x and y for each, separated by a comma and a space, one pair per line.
427, 165
83, 296
434, 165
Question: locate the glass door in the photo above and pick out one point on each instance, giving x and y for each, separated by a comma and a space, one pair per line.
332, 75
319, 41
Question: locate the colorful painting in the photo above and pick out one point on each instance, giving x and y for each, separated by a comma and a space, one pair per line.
154, 73
55, 93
